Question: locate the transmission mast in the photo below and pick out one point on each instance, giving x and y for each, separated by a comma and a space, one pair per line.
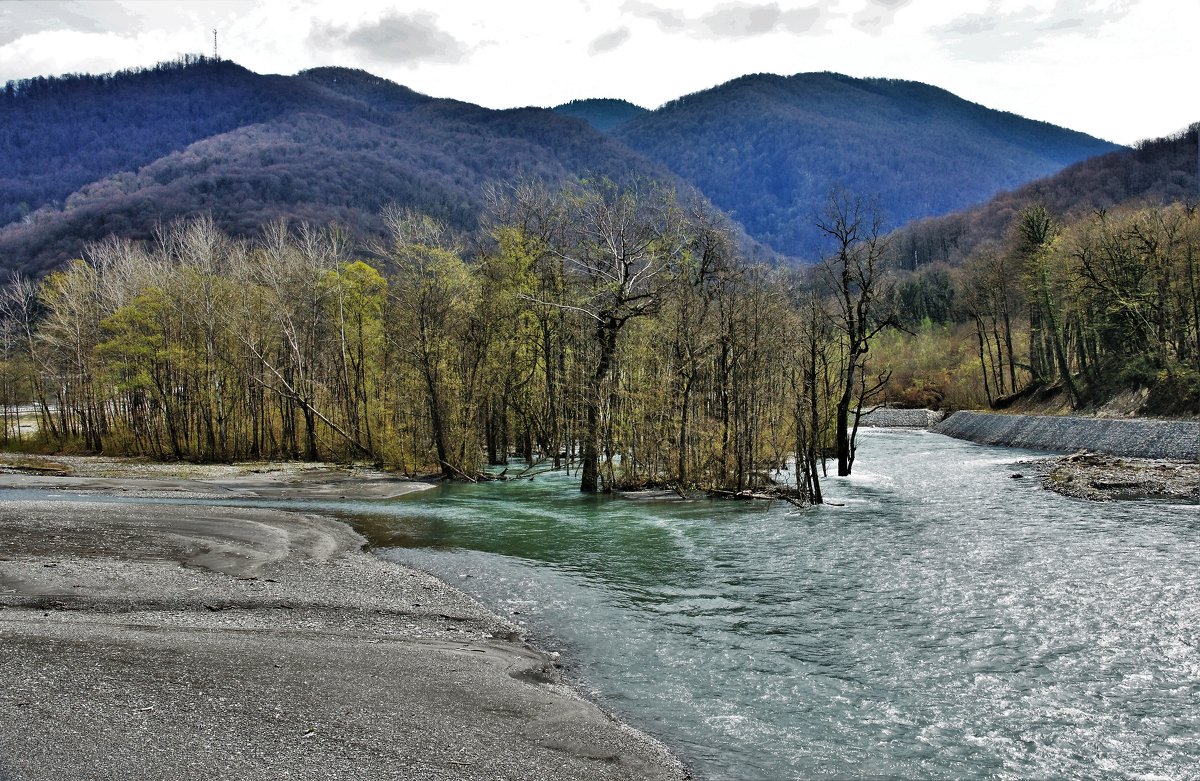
215, 55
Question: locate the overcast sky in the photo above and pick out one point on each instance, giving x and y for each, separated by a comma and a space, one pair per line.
1121, 70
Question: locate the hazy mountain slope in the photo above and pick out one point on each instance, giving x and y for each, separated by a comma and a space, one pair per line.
1161, 170
59, 134
604, 114
329, 145
769, 148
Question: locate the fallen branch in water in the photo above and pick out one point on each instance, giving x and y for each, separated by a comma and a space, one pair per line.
771, 494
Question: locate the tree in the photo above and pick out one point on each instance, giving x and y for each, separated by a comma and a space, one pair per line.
620, 249
1036, 233
434, 295
855, 271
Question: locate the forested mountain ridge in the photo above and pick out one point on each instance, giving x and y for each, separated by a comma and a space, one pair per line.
604, 114
767, 149
61, 133
1157, 171
94, 156
83, 157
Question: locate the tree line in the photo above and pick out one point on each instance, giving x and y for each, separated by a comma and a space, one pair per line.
614, 330
1091, 306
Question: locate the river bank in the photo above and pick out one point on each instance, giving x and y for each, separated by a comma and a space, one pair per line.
188, 641
1135, 438
1111, 458
1102, 478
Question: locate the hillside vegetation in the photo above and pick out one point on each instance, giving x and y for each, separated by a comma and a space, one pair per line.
94, 156
604, 114
768, 149
83, 157
1156, 171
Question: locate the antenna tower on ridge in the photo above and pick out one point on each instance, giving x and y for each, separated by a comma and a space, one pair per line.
215, 56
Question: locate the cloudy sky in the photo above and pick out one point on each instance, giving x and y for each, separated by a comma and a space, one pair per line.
1119, 69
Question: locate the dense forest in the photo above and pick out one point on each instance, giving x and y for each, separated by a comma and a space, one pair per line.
119, 155
604, 114
767, 149
1155, 171
613, 328
83, 157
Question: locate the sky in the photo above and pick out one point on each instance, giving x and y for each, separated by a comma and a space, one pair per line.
1122, 70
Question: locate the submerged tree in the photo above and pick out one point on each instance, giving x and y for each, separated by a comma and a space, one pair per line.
855, 271
612, 328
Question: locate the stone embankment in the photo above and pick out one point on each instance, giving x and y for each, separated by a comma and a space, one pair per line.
891, 417
1141, 438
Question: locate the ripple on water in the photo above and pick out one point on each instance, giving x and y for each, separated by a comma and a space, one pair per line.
945, 621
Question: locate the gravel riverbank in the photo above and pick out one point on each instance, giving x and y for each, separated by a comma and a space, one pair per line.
1111, 458
200, 642
1103, 478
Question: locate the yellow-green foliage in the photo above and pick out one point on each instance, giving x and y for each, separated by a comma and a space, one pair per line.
937, 366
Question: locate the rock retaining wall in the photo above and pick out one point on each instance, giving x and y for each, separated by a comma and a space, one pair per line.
889, 417
1140, 438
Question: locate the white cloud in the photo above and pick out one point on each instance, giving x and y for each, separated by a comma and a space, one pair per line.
404, 38
609, 41
1108, 68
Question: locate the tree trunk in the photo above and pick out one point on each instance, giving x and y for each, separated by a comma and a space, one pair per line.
590, 469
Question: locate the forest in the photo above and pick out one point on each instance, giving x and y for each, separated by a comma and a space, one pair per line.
86, 156
83, 157
1157, 170
615, 330
767, 148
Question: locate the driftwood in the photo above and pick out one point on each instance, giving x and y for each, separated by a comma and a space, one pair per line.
459, 472
717, 493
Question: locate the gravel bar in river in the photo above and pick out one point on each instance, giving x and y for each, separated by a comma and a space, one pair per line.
201, 642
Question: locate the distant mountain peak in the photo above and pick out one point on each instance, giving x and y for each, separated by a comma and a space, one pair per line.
604, 114
768, 148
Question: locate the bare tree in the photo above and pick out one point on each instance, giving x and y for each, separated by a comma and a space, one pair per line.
620, 250
855, 270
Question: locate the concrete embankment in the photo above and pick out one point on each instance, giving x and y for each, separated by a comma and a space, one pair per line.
1142, 438
891, 417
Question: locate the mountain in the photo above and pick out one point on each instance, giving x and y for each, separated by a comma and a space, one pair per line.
82, 157
1161, 170
86, 156
768, 149
604, 114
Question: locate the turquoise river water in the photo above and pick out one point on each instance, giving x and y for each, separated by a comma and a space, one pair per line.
946, 621
937, 620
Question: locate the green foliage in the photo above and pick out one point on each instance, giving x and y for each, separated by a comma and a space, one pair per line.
1175, 392
935, 367
1108, 302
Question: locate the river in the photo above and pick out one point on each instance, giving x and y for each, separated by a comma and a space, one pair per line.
942, 620
938, 619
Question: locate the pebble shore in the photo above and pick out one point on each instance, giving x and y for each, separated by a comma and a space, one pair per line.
200, 642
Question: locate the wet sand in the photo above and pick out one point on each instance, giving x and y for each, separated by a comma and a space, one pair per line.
200, 642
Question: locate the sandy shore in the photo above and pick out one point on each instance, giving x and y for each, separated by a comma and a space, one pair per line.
201, 642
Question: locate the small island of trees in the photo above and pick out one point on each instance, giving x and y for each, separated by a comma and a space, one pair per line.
614, 330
